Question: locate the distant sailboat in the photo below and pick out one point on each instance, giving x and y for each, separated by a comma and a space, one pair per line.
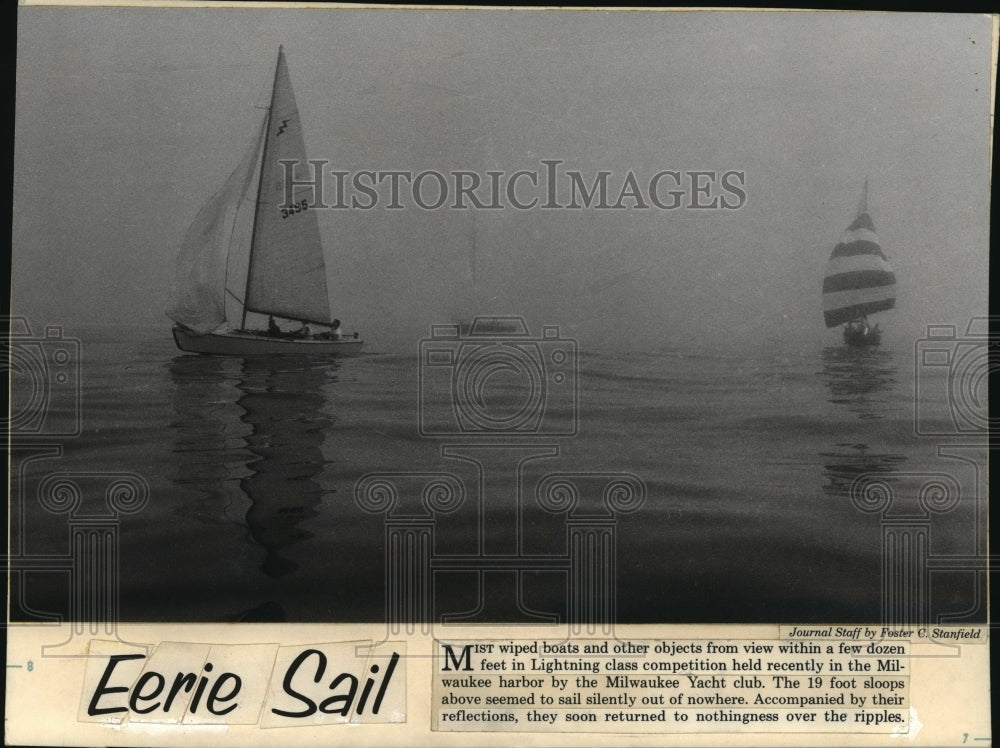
858, 281
286, 269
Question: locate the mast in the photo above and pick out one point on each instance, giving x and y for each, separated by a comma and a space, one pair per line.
260, 182
862, 210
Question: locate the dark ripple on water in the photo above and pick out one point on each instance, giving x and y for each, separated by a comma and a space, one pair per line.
252, 464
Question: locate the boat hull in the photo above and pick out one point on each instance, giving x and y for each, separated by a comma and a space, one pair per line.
250, 344
863, 337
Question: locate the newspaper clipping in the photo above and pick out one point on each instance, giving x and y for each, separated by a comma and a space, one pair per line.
484, 376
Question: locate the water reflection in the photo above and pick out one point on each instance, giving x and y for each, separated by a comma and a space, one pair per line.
844, 466
283, 404
248, 435
859, 379
207, 432
862, 385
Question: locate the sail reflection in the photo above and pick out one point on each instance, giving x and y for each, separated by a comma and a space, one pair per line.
248, 434
208, 434
283, 404
861, 383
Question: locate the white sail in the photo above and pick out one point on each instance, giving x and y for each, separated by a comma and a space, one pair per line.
198, 294
287, 273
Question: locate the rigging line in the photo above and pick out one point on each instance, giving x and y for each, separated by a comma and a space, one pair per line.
232, 228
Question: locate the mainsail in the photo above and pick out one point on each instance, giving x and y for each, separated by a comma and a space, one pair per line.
198, 294
287, 272
858, 278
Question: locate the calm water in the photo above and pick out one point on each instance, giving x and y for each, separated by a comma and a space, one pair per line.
747, 467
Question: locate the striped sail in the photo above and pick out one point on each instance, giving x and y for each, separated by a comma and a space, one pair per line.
858, 278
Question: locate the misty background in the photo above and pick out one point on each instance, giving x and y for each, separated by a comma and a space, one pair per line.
128, 120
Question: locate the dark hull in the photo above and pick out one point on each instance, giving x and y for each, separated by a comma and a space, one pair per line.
862, 337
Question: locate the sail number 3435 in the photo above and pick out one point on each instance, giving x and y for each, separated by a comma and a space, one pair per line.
294, 208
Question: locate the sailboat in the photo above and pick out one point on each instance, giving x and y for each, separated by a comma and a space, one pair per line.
858, 281
285, 265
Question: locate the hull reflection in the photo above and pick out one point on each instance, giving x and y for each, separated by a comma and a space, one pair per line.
861, 384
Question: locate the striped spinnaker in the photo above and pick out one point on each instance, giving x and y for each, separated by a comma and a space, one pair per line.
858, 278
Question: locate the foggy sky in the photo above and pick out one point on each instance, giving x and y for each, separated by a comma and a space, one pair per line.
128, 120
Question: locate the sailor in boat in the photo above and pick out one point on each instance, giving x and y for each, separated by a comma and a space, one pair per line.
333, 333
272, 327
859, 327
867, 329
